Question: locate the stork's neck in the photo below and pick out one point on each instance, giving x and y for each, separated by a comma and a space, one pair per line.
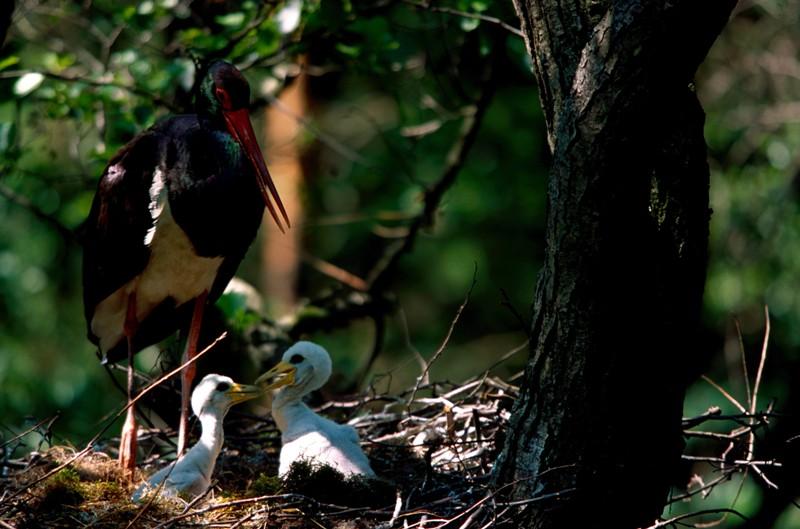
204, 454
290, 412
212, 436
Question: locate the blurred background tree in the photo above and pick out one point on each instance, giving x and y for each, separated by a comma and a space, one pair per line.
364, 101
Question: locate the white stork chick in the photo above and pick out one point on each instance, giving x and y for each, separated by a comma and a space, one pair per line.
190, 475
305, 435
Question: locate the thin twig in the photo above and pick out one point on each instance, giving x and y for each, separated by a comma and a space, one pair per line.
446, 340
464, 14
744, 361
49, 421
685, 516
725, 394
761, 362
12, 196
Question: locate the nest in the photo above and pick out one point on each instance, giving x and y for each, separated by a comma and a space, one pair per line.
432, 446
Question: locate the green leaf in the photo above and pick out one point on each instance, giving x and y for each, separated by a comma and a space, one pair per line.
469, 24
350, 51
11, 60
231, 20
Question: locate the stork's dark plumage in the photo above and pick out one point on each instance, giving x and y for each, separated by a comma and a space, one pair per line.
174, 214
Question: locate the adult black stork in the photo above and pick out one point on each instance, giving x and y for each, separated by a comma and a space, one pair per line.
174, 214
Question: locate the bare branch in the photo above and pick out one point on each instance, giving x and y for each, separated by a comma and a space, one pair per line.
426, 5
441, 348
12, 196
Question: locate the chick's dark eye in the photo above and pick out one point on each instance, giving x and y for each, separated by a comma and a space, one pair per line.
222, 387
296, 359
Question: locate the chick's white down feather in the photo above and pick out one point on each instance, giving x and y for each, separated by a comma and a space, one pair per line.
304, 434
190, 475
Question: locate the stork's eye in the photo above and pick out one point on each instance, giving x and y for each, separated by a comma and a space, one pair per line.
222, 387
296, 359
223, 97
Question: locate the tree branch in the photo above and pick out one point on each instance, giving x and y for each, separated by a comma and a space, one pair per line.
23, 201
378, 276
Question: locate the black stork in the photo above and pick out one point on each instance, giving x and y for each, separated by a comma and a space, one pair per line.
174, 214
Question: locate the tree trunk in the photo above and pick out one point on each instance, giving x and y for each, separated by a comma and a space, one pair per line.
619, 298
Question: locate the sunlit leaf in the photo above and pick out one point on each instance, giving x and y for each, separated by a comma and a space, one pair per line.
11, 60
28, 83
469, 24
231, 20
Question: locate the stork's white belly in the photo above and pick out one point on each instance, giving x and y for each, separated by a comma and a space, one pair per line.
174, 271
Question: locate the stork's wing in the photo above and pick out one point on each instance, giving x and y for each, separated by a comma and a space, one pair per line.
114, 234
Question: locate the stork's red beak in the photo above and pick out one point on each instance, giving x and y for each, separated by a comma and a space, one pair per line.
239, 126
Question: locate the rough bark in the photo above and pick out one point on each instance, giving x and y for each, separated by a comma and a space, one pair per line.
619, 297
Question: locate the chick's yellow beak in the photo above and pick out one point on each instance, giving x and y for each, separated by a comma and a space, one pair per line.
242, 392
283, 373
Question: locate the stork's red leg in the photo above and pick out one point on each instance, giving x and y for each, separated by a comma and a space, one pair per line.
187, 375
127, 441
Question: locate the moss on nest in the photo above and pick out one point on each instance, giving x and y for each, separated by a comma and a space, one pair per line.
327, 485
264, 485
61, 489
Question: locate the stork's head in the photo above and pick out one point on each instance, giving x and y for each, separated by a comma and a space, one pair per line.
224, 97
215, 394
305, 366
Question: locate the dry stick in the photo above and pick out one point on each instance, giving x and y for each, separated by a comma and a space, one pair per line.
708, 486
410, 346
724, 516
680, 517
740, 462
49, 420
760, 370
753, 404
725, 394
441, 348
735, 434
335, 272
244, 519
119, 414
710, 413
223, 505
744, 362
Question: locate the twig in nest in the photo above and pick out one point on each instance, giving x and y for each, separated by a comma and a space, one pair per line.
441, 348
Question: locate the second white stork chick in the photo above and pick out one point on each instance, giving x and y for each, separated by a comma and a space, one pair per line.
190, 475
305, 367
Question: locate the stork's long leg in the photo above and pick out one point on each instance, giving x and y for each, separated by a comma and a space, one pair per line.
127, 441
188, 373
